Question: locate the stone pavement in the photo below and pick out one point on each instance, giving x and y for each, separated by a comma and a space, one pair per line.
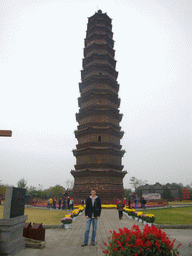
68, 242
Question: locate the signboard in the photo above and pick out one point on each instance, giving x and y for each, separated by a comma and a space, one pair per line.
152, 196
5, 133
14, 202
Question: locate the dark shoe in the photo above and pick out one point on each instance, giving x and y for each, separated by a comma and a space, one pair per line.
93, 244
84, 245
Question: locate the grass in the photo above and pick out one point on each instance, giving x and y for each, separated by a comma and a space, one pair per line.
172, 216
41, 215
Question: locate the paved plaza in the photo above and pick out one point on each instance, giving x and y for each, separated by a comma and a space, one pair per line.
68, 242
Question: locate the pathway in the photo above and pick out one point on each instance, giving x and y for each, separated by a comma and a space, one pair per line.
68, 242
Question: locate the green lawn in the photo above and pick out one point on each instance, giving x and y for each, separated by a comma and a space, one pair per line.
181, 215
41, 216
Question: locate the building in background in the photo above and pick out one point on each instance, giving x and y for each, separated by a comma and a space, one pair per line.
157, 191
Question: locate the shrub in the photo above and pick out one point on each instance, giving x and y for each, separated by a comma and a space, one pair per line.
152, 241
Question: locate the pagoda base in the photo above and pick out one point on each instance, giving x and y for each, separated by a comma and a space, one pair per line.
108, 185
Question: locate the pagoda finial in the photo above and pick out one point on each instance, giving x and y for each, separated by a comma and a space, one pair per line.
99, 11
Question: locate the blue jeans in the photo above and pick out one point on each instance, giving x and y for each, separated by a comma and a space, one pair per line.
87, 229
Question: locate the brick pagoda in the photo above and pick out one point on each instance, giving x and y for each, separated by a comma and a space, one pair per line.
98, 152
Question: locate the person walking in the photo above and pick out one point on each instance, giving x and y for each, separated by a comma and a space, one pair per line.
60, 203
120, 209
50, 202
129, 203
68, 202
71, 203
92, 213
64, 204
54, 203
135, 200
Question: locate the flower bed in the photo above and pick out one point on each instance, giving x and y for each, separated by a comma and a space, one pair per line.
109, 206
130, 212
149, 242
76, 212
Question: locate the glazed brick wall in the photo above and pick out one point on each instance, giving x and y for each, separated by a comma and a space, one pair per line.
100, 71
98, 51
99, 101
108, 188
99, 118
97, 87
94, 158
94, 138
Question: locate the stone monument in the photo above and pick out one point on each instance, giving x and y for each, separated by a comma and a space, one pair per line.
11, 226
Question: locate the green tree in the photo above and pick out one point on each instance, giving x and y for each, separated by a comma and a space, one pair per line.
2, 190
22, 183
127, 192
167, 194
179, 186
57, 191
32, 191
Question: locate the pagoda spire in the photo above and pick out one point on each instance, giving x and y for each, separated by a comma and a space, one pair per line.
98, 152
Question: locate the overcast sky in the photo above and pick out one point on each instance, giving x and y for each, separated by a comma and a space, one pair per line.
41, 52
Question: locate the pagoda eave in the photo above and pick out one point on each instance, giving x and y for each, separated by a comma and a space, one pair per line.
98, 150
87, 173
80, 116
98, 166
98, 124
93, 130
95, 46
102, 144
103, 79
99, 96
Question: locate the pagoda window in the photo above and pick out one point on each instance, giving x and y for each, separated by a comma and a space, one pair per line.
99, 138
100, 73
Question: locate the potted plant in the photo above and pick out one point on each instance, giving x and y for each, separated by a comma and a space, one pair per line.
150, 218
152, 241
135, 216
130, 213
139, 214
144, 219
67, 220
75, 214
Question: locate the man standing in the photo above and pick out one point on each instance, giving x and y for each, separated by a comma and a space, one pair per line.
120, 207
92, 213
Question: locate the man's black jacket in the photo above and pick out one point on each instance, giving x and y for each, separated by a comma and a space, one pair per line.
90, 210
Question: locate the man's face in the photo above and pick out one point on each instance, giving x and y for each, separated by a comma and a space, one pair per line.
93, 193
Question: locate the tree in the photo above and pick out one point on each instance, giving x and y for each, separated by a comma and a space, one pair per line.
57, 191
127, 192
179, 186
136, 182
70, 184
2, 190
32, 191
22, 183
167, 194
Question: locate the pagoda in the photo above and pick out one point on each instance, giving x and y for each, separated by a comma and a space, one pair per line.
98, 152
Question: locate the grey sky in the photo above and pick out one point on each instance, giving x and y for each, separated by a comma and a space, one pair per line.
41, 51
